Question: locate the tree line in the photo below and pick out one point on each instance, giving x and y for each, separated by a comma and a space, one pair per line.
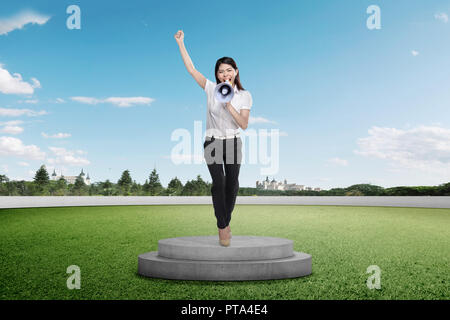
125, 186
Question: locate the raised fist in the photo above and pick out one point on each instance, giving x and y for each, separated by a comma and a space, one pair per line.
179, 36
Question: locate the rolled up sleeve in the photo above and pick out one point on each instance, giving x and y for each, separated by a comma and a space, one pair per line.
209, 86
248, 101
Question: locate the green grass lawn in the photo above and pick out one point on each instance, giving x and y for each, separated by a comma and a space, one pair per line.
410, 245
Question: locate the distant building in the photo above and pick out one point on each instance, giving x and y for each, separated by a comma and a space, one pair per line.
72, 179
274, 185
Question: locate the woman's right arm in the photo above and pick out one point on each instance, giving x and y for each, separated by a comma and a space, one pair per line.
201, 80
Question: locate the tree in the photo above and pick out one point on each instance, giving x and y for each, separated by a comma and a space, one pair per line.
3, 185
444, 189
79, 188
399, 191
125, 182
3, 178
334, 192
135, 188
154, 186
195, 187
145, 187
52, 188
189, 188
354, 193
107, 188
61, 187
95, 189
175, 187
201, 186
21, 187
41, 178
364, 190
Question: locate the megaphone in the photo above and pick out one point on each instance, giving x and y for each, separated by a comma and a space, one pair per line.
224, 92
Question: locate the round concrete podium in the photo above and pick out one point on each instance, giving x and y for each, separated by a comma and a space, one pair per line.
203, 258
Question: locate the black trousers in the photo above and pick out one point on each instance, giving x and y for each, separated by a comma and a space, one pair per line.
223, 157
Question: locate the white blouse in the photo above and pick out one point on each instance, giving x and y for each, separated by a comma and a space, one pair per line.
219, 121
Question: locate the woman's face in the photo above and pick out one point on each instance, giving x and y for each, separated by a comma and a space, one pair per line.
226, 72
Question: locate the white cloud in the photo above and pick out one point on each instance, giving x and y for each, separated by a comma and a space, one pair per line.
441, 16
11, 129
129, 101
10, 146
13, 84
7, 112
20, 20
5, 168
67, 157
56, 136
23, 164
338, 161
118, 101
426, 148
253, 120
86, 100
36, 83
11, 123
31, 101
59, 100
414, 53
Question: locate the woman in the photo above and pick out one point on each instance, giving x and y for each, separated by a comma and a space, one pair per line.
222, 147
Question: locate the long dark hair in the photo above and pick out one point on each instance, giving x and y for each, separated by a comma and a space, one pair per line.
230, 61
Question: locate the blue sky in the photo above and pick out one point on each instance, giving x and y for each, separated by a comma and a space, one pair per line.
353, 105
